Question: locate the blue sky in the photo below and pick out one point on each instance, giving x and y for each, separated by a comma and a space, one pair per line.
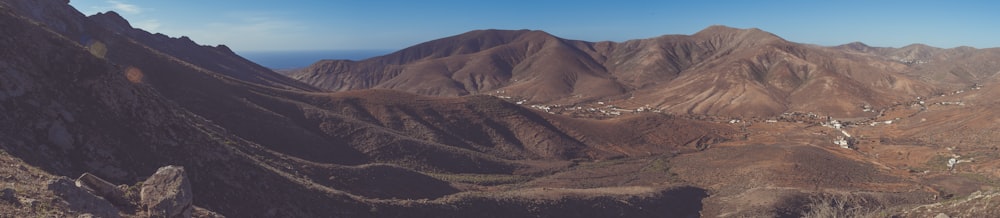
252, 25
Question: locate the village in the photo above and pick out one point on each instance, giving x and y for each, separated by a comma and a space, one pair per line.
839, 128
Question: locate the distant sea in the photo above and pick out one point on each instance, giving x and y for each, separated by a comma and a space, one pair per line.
282, 60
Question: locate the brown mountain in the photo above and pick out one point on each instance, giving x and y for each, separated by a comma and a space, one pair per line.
951, 68
717, 71
477, 62
92, 95
928, 105
122, 102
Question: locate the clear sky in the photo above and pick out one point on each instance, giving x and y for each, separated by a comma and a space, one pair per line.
267, 25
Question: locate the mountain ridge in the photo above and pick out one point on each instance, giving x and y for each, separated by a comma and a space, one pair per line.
142, 100
546, 69
682, 125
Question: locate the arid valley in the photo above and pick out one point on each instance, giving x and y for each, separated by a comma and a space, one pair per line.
102, 119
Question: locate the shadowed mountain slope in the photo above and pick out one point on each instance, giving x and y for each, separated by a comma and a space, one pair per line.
92, 95
122, 102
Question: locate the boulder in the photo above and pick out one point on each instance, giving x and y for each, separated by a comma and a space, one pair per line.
102, 188
167, 193
81, 200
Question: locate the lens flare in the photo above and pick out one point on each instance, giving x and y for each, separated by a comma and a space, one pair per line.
97, 48
133, 74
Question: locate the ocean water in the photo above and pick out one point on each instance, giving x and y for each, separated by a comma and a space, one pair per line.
299, 59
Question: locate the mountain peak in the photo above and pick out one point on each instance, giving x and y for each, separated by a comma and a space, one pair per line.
723, 29
112, 20
856, 46
520, 31
730, 34
918, 46
468, 42
504, 35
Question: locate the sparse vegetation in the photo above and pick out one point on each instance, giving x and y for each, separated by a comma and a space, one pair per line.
132, 191
982, 179
261, 144
938, 163
657, 165
481, 179
603, 163
661, 165
833, 207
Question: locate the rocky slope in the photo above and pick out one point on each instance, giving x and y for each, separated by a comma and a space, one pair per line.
953, 68
118, 108
477, 62
92, 96
717, 71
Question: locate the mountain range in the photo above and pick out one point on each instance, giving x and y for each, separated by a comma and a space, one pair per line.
717, 71
491, 123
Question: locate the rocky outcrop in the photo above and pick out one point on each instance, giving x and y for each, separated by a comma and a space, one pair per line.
79, 200
167, 193
112, 193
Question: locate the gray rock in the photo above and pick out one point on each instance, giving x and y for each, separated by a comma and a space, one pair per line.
942, 215
102, 188
8, 194
80, 200
167, 193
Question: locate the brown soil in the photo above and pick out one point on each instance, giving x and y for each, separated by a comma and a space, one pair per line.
257, 144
